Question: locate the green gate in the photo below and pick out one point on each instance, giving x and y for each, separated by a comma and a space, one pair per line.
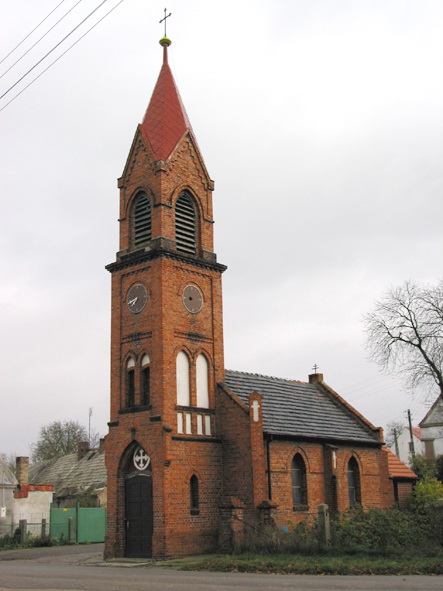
81, 525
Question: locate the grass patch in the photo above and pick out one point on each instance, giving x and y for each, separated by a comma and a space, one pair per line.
319, 565
8, 542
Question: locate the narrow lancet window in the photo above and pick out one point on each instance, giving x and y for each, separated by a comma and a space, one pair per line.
130, 383
354, 483
182, 372
298, 478
195, 501
202, 382
145, 381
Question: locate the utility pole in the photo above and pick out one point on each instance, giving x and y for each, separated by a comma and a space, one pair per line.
90, 415
397, 451
412, 435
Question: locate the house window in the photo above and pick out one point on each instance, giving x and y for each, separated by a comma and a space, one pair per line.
130, 383
142, 219
202, 382
199, 424
185, 224
145, 381
182, 374
193, 489
298, 478
354, 483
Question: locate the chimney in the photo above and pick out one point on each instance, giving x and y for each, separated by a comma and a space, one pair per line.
22, 470
315, 378
101, 447
82, 449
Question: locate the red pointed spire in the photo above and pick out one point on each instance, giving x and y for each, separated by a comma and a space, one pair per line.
165, 120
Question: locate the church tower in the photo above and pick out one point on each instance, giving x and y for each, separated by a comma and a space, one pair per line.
163, 455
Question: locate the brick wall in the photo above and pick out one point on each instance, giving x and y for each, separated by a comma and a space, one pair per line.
326, 484
233, 426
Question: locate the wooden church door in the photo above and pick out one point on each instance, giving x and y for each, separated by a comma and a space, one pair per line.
138, 515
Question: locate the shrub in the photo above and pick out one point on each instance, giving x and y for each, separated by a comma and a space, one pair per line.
380, 529
424, 467
426, 493
373, 531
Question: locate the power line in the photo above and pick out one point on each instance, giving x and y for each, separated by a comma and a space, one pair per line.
54, 48
60, 56
42, 37
365, 383
29, 34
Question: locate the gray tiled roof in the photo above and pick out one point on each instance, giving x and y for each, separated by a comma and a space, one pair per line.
300, 409
70, 475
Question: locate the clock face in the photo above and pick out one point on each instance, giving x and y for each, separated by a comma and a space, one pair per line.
192, 299
137, 298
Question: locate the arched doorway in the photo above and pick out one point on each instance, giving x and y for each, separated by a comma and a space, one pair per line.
138, 506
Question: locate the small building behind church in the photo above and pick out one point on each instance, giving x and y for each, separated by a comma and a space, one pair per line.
21, 500
76, 478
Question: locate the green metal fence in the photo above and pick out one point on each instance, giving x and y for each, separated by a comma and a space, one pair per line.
79, 525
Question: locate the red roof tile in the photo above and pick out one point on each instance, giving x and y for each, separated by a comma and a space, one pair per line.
25, 489
397, 469
165, 120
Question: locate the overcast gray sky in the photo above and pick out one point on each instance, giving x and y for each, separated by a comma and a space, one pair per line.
321, 123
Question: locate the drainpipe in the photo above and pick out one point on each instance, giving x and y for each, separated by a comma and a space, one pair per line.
268, 461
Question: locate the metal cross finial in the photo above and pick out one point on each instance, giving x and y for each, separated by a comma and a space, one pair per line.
164, 19
315, 368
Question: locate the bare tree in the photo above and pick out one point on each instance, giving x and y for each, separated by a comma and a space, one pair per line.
393, 430
405, 333
58, 439
10, 461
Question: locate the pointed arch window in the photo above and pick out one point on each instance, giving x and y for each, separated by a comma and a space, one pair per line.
185, 223
298, 479
202, 382
145, 388
142, 219
194, 495
354, 483
182, 373
130, 383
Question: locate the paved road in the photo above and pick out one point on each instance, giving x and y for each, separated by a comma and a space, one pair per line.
78, 568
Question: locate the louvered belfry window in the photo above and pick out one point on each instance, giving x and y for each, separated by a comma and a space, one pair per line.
142, 219
185, 224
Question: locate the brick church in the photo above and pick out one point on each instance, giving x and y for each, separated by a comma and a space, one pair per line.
195, 453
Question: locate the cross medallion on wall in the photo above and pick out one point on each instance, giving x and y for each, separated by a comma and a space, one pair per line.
141, 459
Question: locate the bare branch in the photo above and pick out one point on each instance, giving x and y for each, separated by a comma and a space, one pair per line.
404, 333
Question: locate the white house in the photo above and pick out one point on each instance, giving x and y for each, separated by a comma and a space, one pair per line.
403, 449
432, 430
21, 500
8, 483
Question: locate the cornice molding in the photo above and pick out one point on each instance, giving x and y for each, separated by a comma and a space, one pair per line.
143, 256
